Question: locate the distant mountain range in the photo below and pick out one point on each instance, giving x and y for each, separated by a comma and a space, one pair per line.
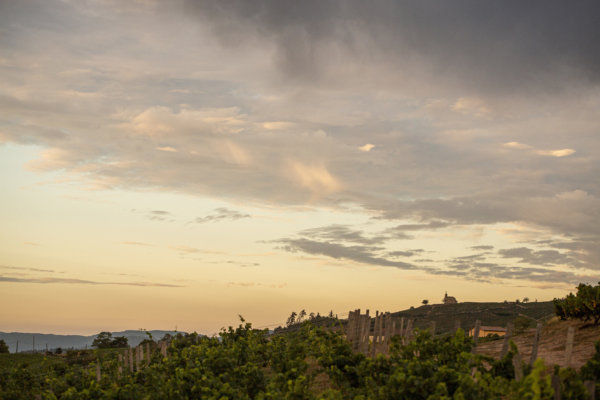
26, 340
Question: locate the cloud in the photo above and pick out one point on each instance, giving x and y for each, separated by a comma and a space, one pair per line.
482, 247
540, 257
51, 280
476, 110
26, 269
160, 215
367, 147
315, 178
222, 214
485, 46
132, 243
167, 148
556, 153
343, 233
360, 254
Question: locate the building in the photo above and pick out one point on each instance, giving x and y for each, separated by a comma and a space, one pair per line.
449, 299
488, 331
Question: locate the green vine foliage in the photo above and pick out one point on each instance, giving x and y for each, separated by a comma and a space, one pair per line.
309, 363
584, 305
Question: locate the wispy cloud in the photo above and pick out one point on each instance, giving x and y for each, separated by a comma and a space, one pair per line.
221, 214
26, 269
52, 280
132, 243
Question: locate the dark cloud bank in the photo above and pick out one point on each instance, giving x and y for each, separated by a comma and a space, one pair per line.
487, 46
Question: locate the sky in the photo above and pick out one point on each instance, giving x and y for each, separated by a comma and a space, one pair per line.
173, 165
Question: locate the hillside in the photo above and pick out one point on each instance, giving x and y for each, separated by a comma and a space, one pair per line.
552, 343
494, 314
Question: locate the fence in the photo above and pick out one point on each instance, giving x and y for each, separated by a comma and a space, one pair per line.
372, 336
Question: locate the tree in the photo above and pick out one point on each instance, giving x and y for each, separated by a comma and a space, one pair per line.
425, 302
3, 347
301, 316
119, 342
584, 305
102, 340
291, 319
525, 299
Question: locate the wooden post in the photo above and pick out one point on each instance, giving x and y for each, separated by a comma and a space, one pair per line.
402, 328
518, 365
507, 337
119, 366
456, 325
148, 353
432, 328
389, 332
365, 334
476, 335
130, 352
536, 342
409, 330
569, 347
376, 334
381, 333
349, 326
590, 386
138, 358
163, 348
356, 344
556, 386
98, 376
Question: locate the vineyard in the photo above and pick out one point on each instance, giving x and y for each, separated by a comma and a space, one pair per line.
309, 363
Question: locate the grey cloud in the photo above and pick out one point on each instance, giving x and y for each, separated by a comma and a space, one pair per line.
343, 233
50, 280
400, 253
498, 47
361, 254
540, 257
482, 247
470, 267
222, 214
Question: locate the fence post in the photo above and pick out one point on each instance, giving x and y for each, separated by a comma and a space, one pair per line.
476, 334
507, 337
98, 375
365, 334
569, 348
119, 365
349, 326
536, 342
148, 352
409, 330
163, 349
130, 352
432, 328
456, 325
590, 386
556, 386
518, 365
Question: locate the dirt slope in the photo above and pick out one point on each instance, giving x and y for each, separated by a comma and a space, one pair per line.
552, 343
